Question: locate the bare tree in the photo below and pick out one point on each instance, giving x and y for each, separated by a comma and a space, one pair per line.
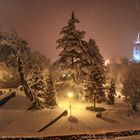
131, 86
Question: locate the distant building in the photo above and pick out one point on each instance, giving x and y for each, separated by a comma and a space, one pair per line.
136, 49
112, 61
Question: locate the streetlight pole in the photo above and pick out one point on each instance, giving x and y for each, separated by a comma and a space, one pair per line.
70, 107
70, 96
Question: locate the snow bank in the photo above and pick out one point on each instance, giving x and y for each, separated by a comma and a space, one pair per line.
5, 97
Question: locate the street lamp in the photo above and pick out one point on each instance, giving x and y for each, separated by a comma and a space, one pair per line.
70, 95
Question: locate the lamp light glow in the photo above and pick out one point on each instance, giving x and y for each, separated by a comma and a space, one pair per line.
70, 94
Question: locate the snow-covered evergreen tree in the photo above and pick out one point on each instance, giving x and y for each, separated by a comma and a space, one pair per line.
70, 41
71, 45
111, 92
37, 81
77, 54
96, 74
42, 87
94, 57
94, 90
51, 99
81, 57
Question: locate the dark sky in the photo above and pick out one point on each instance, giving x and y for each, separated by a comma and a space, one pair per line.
114, 24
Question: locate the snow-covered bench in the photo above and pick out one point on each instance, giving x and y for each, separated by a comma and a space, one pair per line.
6, 96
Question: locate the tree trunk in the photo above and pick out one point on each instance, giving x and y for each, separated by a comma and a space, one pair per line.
134, 107
27, 91
72, 62
23, 81
94, 103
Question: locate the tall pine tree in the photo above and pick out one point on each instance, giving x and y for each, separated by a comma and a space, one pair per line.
111, 92
71, 45
96, 74
82, 58
94, 90
51, 99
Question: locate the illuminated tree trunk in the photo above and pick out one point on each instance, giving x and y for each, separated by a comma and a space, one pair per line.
32, 97
94, 103
23, 80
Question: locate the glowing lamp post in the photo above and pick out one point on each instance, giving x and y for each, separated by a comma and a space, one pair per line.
70, 95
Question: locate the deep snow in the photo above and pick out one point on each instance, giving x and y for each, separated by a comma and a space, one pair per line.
16, 120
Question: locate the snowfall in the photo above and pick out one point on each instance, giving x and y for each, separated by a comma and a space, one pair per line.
17, 120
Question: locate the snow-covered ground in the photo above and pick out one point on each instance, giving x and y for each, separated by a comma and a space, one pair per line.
16, 120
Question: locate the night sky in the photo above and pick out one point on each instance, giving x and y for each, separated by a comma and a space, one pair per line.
114, 24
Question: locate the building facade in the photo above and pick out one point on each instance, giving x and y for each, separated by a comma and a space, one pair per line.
136, 49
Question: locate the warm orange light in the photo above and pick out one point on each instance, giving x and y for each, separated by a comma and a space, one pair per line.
70, 94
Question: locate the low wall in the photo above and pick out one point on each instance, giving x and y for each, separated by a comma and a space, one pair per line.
5, 97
